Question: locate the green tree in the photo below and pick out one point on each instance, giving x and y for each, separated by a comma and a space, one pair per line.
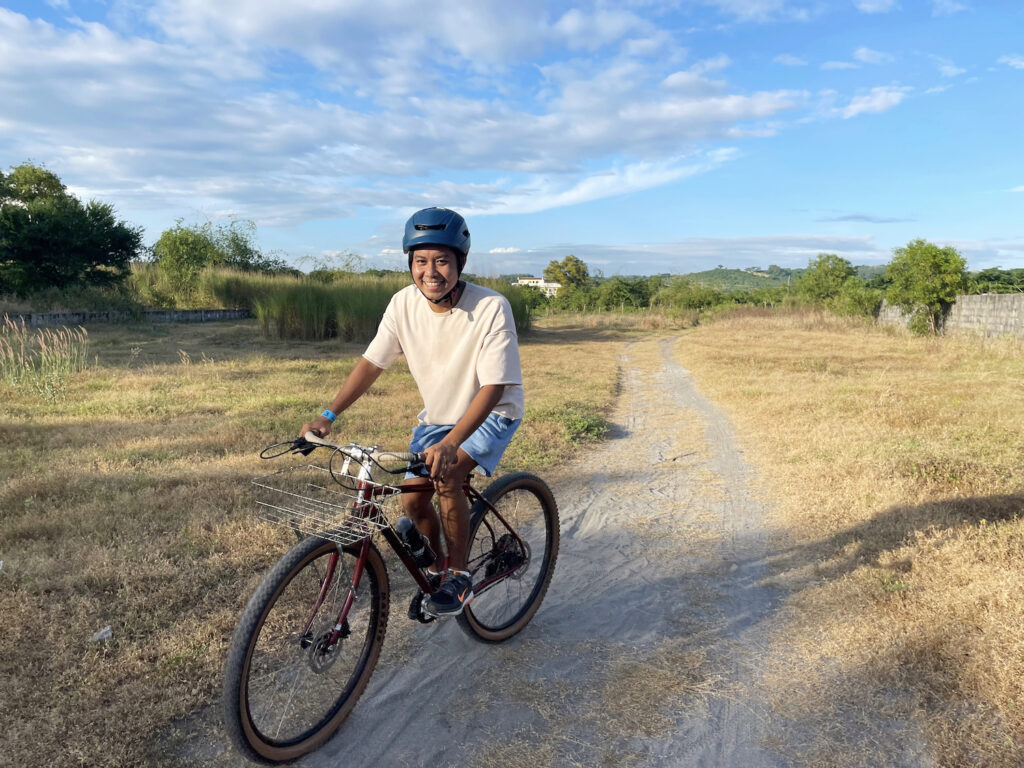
617, 293
569, 272
996, 280
182, 252
924, 281
48, 238
682, 294
824, 278
533, 296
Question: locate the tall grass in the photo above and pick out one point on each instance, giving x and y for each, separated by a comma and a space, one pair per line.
42, 360
288, 307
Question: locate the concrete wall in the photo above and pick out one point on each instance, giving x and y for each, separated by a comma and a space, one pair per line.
37, 319
989, 314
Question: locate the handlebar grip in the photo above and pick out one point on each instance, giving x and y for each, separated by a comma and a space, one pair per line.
409, 458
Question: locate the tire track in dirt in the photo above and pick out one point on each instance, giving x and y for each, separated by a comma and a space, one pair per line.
647, 648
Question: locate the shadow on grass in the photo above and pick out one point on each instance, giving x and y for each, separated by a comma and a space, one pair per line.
896, 660
574, 334
138, 344
891, 529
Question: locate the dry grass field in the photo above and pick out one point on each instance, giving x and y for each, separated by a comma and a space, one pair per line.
895, 468
126, 504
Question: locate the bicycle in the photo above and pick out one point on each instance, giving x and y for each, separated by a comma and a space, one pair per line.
307, 642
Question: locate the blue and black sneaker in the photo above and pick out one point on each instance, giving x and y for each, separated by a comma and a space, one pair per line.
455, 593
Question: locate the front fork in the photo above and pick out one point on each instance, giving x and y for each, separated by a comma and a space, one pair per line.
350, 598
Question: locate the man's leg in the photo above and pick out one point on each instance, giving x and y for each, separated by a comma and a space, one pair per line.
456, 591
418, 506
455, 510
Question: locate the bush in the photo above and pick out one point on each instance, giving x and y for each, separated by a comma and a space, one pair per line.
855, 298
682, 297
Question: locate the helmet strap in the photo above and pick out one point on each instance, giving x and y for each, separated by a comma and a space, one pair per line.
457, 288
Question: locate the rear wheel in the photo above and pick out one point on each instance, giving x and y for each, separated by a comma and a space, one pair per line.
511, 555
287, 688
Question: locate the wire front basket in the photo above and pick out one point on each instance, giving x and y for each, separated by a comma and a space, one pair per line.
308, 500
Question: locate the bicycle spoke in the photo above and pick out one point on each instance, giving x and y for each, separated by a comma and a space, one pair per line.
288, 704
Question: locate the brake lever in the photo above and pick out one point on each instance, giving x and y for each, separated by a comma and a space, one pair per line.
302, 446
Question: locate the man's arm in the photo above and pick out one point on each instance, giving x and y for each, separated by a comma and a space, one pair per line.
442, 455
358, 381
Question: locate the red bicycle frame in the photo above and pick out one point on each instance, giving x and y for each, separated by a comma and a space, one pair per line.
368, 507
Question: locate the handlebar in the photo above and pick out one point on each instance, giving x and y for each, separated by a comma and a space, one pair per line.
309, 442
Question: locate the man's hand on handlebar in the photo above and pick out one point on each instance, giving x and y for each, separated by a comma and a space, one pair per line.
440, 458
320, 426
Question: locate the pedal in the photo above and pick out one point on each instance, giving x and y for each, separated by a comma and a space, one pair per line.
416, 611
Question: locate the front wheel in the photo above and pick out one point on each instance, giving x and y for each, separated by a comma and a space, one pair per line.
511, 556
287, 686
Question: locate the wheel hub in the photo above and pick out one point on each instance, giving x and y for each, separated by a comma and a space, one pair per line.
508, 555
322, 654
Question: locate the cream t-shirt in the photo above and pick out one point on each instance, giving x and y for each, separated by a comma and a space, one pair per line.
453, 354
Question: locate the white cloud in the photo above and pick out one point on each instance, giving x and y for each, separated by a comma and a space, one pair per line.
950, 70
765, 10
840, 65
947, 7
939, 89
875, 6
504, 250
658, 43
1016, 61
714, 64
201, 127
869, 56
1018, 189
60, 5
880, 99
541, 194
593, 31
788, 60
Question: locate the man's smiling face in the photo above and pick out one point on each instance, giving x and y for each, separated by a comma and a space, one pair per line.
435, 271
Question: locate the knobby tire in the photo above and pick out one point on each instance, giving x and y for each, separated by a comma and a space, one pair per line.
270, 677
504, 608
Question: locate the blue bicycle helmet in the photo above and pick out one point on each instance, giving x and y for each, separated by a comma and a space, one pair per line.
437, 226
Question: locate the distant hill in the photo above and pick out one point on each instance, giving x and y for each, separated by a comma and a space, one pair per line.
870, 271
723, 279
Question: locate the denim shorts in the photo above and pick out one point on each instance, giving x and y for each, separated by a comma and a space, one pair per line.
485, 446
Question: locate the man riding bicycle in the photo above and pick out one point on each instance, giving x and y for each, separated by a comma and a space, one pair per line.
460, 342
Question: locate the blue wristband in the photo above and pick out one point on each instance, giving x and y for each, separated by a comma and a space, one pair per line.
329, 414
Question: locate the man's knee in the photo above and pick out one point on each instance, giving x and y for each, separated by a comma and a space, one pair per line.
418, 503
450, 487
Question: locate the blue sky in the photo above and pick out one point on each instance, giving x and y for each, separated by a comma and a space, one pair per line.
641, 136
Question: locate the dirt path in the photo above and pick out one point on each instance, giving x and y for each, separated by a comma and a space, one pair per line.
647, 647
